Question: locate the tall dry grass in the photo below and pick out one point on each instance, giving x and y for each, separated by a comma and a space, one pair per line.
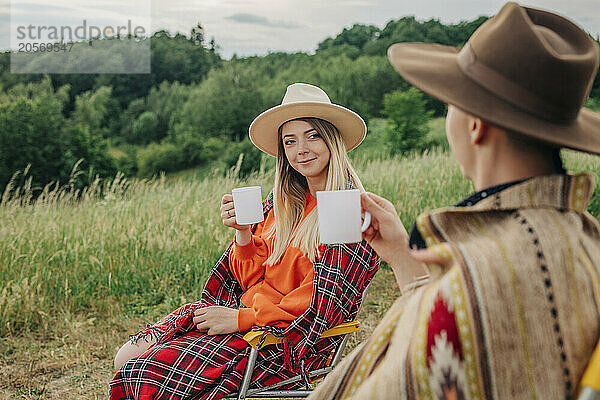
126, 247
118, 246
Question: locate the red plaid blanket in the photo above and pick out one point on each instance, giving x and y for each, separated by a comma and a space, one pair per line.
189, 364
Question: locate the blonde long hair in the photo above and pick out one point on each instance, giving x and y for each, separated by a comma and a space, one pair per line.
291, 189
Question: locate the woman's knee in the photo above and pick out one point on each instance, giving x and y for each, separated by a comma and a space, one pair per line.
130, 350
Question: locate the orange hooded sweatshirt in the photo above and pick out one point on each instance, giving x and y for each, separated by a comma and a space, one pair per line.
275, 294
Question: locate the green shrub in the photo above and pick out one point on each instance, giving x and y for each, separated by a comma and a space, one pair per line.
34, 135
251, 157
188, 151
145, 128
92, 149
593, 103
408, 120
156, 158
126, 159
196, 150
437, 134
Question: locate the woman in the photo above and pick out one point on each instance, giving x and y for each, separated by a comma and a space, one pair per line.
274, 274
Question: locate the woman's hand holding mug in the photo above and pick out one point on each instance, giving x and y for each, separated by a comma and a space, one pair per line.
241, 209
242, 234
228, 214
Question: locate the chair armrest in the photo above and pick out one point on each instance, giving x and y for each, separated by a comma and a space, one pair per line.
342, 329
254, 337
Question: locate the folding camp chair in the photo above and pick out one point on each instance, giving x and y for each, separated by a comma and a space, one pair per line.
260, 339
590, 383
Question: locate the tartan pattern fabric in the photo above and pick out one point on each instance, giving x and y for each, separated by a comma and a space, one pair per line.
194, 365
189, 364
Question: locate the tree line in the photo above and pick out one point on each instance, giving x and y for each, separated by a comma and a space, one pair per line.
194, 108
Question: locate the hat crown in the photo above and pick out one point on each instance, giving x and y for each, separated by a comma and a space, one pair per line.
303, 92
538, 61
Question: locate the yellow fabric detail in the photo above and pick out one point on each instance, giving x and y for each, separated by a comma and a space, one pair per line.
370, 355
530, 193
593, 276
467, 340
519, 303
591, 376
419, 347
570, 272
254, 337
426, 234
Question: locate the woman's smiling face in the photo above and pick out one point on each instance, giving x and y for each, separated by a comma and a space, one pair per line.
305, 149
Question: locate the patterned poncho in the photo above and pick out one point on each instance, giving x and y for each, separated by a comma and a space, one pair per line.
515, 313
188, 364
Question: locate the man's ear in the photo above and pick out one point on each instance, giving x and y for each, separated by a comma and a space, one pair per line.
477, 129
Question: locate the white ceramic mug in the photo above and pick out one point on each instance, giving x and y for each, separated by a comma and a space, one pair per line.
339, 216
247, 202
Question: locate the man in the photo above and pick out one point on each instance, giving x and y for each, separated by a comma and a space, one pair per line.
504, 301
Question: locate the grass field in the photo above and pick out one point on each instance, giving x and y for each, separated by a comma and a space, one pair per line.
76, 277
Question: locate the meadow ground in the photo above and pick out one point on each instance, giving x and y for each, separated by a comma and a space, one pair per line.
76, 277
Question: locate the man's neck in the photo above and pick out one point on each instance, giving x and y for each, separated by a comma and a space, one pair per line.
509, 170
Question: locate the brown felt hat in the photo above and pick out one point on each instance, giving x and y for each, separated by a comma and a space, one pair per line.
525, 70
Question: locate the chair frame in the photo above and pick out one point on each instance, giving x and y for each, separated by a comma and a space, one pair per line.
260, 339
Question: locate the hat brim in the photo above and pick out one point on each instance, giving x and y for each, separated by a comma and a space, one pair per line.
434, 69
264, 129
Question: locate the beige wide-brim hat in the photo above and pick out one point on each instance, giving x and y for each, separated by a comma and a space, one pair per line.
525, 70
302, 100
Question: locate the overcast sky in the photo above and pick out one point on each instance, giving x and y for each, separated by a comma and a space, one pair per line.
249, 27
